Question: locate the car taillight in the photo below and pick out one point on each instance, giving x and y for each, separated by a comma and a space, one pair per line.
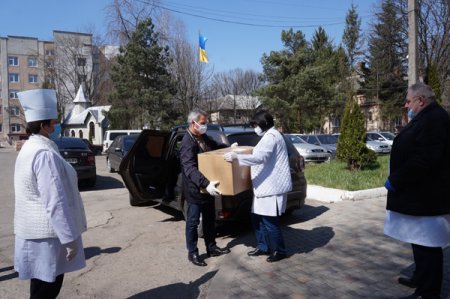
301, 163
91, 159
224, 214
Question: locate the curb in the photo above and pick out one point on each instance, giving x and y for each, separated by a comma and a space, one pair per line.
331, 195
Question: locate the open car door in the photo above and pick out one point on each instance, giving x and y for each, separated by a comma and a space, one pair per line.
144, 169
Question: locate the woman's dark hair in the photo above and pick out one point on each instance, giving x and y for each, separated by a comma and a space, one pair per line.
263, 119
33, 127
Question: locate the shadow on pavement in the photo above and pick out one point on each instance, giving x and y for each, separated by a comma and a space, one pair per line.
104, 183
177, 290
304, 214
8, 276
9, 268
94, 251
176, 215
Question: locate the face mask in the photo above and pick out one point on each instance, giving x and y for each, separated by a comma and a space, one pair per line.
201, 128
259, 131
411, 114
56, 133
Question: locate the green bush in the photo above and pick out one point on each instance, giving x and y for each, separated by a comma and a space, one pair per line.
351, 146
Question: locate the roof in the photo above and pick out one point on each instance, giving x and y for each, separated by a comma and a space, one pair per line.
80, 98
79, 119
228, 102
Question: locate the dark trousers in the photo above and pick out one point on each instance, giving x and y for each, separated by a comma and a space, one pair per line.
207, 211
45, 290
268, 233
429, 270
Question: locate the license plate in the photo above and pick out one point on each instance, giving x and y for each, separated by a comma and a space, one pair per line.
72, 160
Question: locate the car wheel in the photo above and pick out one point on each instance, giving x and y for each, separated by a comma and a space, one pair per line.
200, 225
91, 182
108, 165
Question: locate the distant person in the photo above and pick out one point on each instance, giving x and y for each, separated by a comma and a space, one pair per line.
418, 201
49, 214
271, 178
198, 202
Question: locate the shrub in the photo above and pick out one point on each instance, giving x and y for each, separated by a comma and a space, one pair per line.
351, 146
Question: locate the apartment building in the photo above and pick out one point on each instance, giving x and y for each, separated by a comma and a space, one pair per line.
28, 63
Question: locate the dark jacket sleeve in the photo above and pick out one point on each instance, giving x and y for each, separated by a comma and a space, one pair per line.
189, 162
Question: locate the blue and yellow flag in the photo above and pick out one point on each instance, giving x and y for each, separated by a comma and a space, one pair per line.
202, 51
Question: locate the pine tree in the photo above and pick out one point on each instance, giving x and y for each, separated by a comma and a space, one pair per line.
352, 37
142, 93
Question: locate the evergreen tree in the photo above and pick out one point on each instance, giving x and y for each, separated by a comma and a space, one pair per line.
352, 38
142, 93
432, 79
386, 70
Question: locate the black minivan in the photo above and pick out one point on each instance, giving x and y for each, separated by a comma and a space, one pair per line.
151, 172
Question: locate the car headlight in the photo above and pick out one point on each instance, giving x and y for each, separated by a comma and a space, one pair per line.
304, 151
371, 147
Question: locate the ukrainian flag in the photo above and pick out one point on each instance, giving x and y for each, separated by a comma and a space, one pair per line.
202, 52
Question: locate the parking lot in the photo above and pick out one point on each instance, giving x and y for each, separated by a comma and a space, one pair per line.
335, 251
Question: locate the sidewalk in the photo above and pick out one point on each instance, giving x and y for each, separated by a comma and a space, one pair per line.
335, 251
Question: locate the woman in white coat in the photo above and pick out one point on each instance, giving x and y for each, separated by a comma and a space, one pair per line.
271, 180
49, 215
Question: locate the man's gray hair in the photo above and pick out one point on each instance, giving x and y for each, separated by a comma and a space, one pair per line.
422, 90
195, 114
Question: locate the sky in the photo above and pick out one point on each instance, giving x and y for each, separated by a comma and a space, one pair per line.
238, 31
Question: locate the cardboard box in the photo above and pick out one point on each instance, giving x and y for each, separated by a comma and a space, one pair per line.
233, 179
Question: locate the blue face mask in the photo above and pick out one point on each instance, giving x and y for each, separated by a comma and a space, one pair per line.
56, 133
411, 114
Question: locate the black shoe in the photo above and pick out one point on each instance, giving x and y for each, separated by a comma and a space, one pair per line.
409, 282
257, 252
275, 257
196, 259
216, 251
412, 296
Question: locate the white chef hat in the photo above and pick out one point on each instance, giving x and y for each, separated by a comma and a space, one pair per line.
38, 104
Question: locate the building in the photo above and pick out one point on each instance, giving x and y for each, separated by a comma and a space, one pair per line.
233, 109
28, 63
86, 121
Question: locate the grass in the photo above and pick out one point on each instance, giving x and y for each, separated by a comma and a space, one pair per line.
335, 175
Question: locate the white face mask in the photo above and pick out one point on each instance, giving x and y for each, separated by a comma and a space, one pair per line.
259, 131
201, 128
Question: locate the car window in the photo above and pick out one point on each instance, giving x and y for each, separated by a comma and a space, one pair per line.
128, 143
70, 143
388, 135
155, 146
311, 139
113, 136
295, 139
327, 139
248, 139
218, 136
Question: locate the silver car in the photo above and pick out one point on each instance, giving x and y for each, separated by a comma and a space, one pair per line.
385, 137
378, 146
310, 152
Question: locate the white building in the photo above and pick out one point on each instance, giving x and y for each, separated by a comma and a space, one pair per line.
85, 121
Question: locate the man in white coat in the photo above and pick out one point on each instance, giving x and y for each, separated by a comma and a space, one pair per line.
271, 178
49, 214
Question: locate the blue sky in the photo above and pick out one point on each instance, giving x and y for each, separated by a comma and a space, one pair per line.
230, 45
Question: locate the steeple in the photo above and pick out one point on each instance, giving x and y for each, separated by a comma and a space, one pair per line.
81, 103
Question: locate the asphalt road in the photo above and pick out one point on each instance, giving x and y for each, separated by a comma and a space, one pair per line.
136, 252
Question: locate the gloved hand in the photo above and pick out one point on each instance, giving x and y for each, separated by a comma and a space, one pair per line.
72, 250
230, 156
388, 186
234, 145
212, 188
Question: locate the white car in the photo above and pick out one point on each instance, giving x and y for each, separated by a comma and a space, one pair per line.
310, 152
386, 137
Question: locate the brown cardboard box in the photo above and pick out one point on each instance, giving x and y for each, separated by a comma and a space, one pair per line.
233, 179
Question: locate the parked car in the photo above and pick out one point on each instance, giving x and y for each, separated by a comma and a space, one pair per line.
77, 153
329, 142
110, 135
96, 149
118, 149
310, 152
377, 146
386, 137
151, 172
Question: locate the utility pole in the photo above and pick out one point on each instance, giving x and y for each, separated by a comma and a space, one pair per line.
413, 57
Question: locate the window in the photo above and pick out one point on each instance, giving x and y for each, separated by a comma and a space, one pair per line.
14, 111
13, 78
80, 134
13, 60
72, 133
1, 128
15, 127
49, 64
81, 62
32, 62
1, 109
13, 94
49, 52
91, 130
32, 79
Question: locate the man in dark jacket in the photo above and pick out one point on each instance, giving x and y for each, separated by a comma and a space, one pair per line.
418, 202
198, 191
